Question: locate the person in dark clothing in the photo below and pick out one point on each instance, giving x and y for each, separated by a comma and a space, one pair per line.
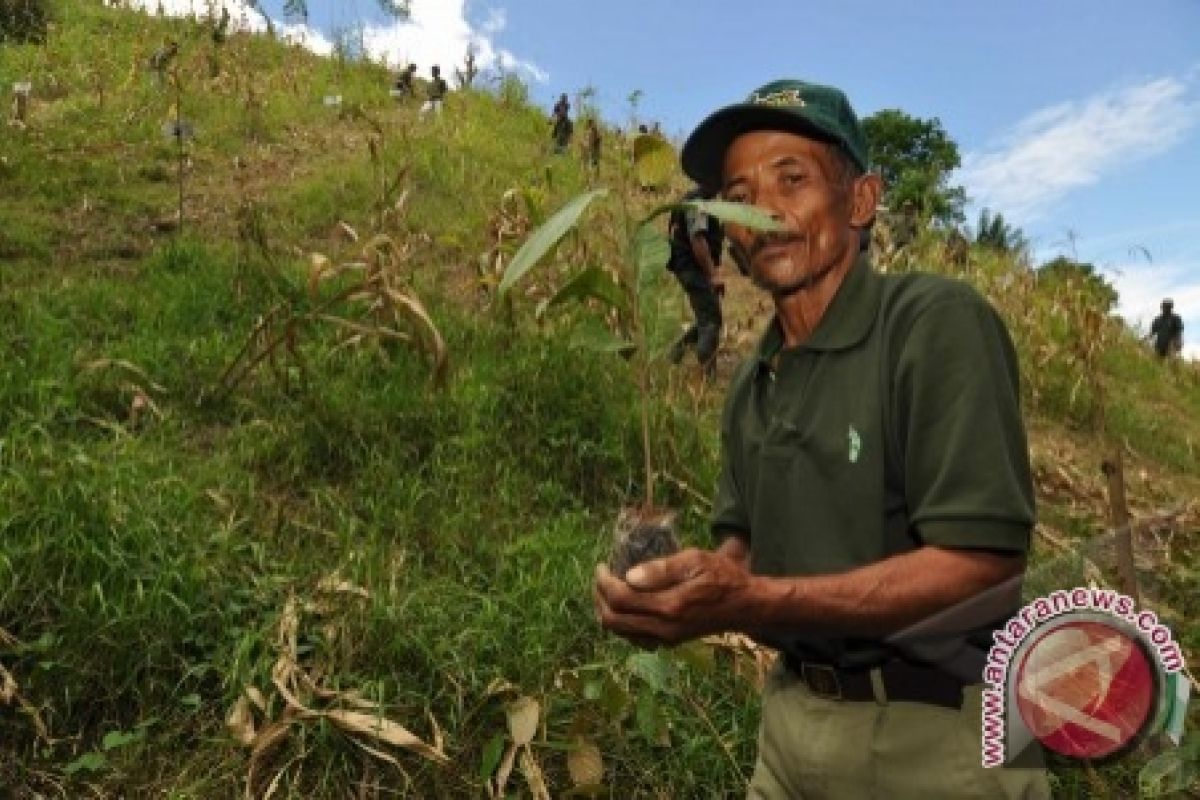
1167, 330
404, 81
696, 243
562, 128
437, 92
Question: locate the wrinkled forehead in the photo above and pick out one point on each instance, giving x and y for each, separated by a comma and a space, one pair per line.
759, 148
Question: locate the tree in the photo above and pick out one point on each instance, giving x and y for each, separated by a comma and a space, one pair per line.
995, 232
915, 158
23, 21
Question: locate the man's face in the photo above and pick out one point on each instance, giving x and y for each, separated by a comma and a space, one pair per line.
802, 184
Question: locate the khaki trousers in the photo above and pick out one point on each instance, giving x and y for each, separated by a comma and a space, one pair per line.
813, 748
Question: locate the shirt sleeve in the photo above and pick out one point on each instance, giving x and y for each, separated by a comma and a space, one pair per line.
967, 479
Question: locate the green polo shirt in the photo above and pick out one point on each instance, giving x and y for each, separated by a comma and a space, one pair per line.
897, 424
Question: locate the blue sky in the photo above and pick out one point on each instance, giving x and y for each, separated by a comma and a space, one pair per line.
1078, 119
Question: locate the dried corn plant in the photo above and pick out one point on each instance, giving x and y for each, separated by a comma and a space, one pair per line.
380, 307
508, 226
263, 723
367, 300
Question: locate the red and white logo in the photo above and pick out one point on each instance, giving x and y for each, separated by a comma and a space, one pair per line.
1086, 689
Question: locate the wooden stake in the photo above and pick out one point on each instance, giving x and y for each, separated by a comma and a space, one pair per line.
1114, 470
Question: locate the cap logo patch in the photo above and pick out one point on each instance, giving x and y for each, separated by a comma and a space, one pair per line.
783, 97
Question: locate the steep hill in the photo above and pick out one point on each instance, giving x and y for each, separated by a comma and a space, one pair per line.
283, 468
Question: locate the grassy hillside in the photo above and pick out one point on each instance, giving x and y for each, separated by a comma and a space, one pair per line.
239, 501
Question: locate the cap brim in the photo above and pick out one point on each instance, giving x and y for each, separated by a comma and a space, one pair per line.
703, 154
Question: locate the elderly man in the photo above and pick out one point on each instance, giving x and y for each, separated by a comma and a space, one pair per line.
874, 475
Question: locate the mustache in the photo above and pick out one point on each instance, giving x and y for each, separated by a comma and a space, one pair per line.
765, 240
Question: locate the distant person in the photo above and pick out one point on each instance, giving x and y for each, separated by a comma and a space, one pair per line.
404, 82
958, 249
221, 31
593, 144
1167, 330
437, 92
561, 125
162, 58
905, 225
696, 243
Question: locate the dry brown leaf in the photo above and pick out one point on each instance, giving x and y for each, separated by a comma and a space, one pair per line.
289, 627
499, 686
319, 266
382, 756
585, 763
350, 697
533, 775
240, 721
504, 771
523, 714
10, 692
348, 232
256, 697
335, 584
439, 741
8, 686
271, 737
384, 730
284, 676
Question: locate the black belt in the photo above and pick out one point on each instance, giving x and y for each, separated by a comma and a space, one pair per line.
902, 680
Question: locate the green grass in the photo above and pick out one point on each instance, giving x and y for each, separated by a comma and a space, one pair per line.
153, 527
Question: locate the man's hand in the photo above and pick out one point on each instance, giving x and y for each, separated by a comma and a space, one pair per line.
671, 600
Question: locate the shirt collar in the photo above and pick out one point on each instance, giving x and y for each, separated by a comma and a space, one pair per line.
846, 322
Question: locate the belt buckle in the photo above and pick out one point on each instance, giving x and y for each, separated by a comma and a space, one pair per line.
822, 679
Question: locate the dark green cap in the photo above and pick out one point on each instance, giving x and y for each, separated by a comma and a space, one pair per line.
807, 109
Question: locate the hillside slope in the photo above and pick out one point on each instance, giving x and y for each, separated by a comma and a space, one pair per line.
243, 481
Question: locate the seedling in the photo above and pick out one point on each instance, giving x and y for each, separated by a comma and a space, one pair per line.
626, 299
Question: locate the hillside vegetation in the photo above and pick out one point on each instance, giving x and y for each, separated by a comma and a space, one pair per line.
292, 504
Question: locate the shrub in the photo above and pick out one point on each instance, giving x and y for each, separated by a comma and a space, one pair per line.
23, 21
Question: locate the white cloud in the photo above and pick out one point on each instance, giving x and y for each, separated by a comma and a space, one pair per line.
1141, 287
438, 33
242, 17
1071, 145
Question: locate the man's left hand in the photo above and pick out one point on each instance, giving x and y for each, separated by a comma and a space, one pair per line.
670, 600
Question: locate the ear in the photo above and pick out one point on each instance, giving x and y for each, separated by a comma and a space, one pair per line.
868, 189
